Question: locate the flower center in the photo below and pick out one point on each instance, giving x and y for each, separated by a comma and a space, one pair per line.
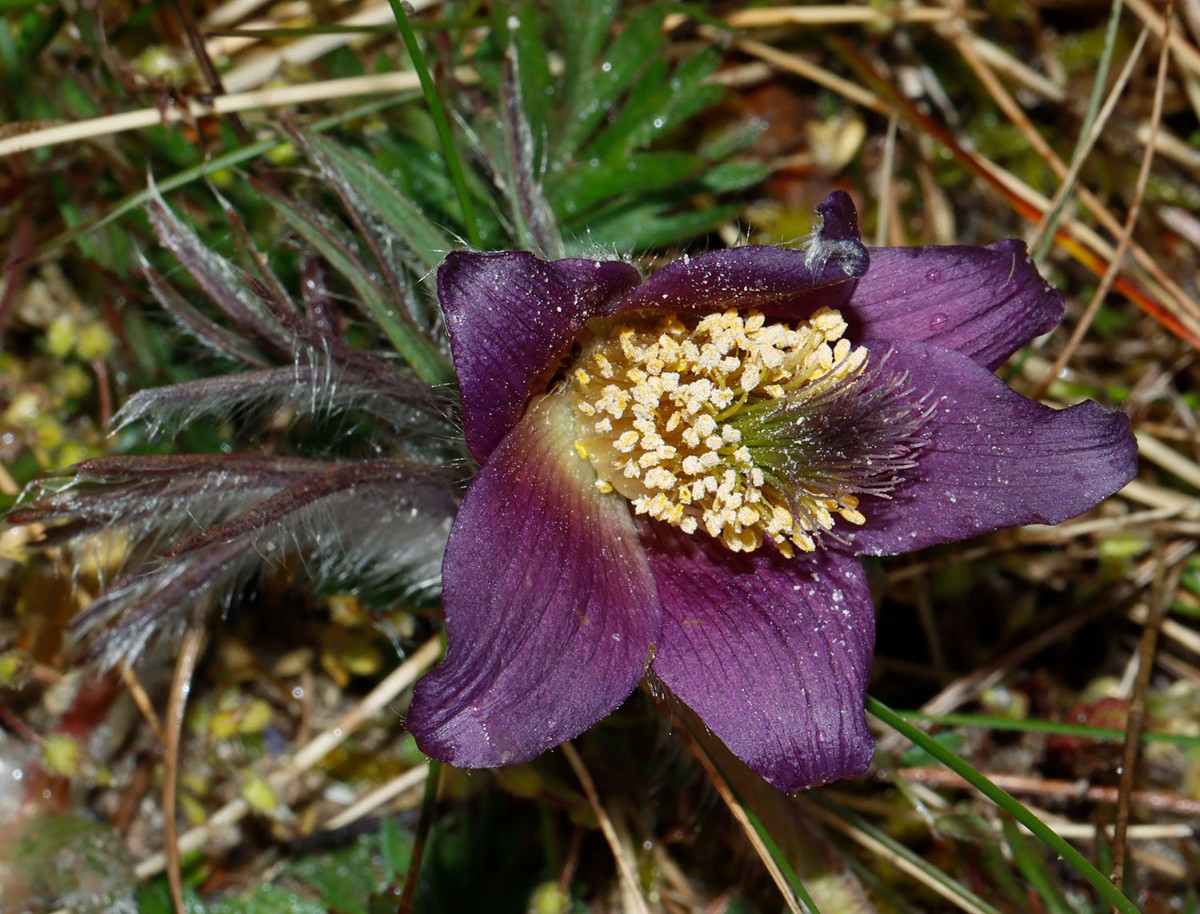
704, 424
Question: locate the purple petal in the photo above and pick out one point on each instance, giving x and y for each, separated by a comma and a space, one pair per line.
772, 653
985, 302
993, 458
510, 316
550, 605
776, 281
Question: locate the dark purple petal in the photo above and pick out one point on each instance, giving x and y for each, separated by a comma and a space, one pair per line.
779, 282
985, 302
992, 458
510, 316
550, 605
772, 653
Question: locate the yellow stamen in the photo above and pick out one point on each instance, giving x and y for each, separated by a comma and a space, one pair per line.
660, 432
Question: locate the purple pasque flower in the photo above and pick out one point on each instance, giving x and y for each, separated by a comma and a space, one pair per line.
678, 477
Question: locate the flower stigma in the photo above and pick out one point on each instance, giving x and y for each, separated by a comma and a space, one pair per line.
723, 424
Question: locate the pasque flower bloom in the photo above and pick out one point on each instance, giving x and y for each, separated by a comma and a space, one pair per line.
678, 477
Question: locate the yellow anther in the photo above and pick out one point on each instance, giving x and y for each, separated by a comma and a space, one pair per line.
626, 442
603, 364
667, 436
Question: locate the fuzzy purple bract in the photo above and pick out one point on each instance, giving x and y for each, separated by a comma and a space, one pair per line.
680, 474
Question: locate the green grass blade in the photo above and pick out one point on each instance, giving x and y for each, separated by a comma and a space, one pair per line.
1032, 865
1006, 802
661, 100
1052, 727
438, 112
1099, 86
778, 856
589, 22
953, 888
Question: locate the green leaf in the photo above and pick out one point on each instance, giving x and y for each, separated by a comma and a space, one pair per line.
38, 29
420, 236
1032, 864
733, 176
729, 142
341, 63
396, 848
584, 25
434, 103
660, 101
418, 173
993, 862
345, 879
650, 225
647, 98
578, 192
155, 898
270, 899
601, 89
916, 756
413, 346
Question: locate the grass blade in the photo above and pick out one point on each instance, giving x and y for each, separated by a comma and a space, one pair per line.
438, 112
1007, 802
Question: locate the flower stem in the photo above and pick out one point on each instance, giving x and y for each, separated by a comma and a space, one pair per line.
421, 839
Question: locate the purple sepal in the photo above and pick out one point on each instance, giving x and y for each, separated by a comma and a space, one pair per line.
550, 605
772, 653
839, 220
992, 458
510, 316
782, 283
985, 302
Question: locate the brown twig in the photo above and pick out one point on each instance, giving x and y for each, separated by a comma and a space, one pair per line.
620, 854
735, 806
207, 69
329, 739
14, 268
1065, 791
1126, 237
968, 687
142, 700
190, 650
1165, 585
567, 875
420, 840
